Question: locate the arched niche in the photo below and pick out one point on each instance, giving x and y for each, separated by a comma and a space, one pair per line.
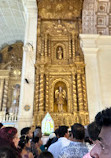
60, 97
59, 51
55, 83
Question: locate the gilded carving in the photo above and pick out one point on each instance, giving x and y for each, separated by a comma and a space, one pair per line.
59, 9
10, 72
60, 78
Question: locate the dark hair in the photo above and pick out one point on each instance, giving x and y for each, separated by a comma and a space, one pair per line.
93, 130
103, 118
37, 132
38, 127
8, 134
35, 139
23, 141
56, 131
25, 131
78, 131
46, 154
1, 124
7, 152
62, 131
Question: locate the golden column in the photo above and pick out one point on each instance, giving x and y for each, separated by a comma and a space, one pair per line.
45, 45
47, 92
80, 95
84, 93
49, 47
74, 94
41, 93
5, 95
73, 45
70, 55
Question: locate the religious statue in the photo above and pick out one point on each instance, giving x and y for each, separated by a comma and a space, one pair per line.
60, 95
60, 53
15, 99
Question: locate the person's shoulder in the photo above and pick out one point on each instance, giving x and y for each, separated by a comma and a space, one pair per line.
52, 146
64, 153
31, 155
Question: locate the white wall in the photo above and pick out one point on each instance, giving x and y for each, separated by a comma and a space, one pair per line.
97, 54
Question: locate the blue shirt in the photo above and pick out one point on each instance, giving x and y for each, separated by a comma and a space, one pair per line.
74, 150
56, 147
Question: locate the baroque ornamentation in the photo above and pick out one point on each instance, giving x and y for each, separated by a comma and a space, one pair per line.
10, 76
60, 77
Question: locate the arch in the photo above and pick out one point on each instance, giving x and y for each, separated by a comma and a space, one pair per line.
54, 81
63, 50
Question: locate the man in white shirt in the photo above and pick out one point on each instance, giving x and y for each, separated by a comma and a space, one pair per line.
63, 141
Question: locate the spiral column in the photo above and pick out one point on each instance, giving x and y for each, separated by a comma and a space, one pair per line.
70, 55
36, 95
41, 93
74, 94
47, 91
73, 46
84, 93
80, 95
5, 95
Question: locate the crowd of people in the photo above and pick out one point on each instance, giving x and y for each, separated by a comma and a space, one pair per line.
95, 141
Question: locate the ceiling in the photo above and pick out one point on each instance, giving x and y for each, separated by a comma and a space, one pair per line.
12, 22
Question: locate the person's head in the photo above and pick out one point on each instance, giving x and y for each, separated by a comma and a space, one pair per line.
1, 125
10, 135
56, 132
37, 140
7, 152
63, 131
24, 142
78, 132
46, 154
37, 132
27, 131
102, 149
93, 131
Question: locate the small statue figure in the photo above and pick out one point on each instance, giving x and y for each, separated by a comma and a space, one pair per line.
60, 53
15, 99
60, 95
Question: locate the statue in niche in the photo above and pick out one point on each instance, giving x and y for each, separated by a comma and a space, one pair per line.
15, 99
60, 53
60, 95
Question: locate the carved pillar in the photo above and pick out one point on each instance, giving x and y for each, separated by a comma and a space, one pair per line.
80, 96
84, 93
49, 47
74, 94
41, 93
36, 94
47, 91
70, 55
5, 93
45, 45
1, 92
73, 46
